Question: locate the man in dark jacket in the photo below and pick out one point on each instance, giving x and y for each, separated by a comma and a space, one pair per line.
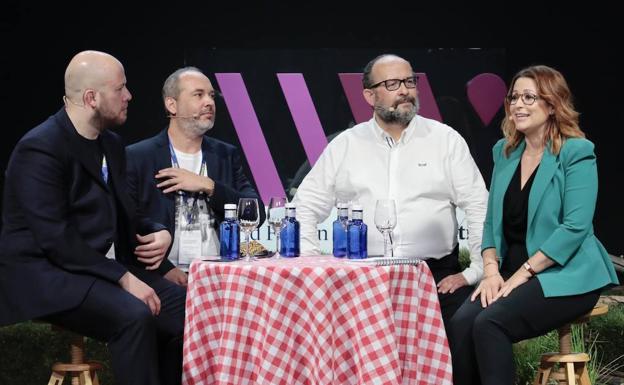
73, 251
181, 169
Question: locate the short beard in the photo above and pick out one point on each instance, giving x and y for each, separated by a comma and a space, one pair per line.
103, 122
397, 116
194, 127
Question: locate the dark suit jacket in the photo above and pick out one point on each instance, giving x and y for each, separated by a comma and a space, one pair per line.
60, 218
146, 157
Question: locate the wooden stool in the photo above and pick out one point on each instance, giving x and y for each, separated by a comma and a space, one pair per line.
572, 366
82, 373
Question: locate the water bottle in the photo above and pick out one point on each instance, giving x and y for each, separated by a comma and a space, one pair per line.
229, 234
340, 231
356, 234
289, 233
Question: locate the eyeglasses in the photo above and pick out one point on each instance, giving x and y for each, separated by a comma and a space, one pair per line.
527, 99
395, 84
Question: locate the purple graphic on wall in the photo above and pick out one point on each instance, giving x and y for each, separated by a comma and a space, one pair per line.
250, 135
486, 92
304, 114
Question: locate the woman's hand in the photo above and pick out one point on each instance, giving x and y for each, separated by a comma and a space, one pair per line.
520, 276
488, 289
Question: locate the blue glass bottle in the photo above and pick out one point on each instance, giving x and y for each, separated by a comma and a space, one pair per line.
357, 234
229, 234
289, 234
339, 231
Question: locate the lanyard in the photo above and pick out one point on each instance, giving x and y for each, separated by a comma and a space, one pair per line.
104, 169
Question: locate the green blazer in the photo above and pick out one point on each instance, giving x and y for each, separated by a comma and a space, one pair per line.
560, 213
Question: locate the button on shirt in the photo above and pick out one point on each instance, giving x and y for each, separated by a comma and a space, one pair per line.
428, 172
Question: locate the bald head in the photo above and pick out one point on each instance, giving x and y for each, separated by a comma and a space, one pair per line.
367, 78
89, 70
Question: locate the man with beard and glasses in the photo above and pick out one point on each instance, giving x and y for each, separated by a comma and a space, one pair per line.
73, 250
182, 177
424, 165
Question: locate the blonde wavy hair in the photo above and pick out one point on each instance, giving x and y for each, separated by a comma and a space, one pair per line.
553, 89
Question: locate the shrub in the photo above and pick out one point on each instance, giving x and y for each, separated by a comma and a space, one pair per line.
464, 258
28, 350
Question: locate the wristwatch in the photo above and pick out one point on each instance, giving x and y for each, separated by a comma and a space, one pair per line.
527, 267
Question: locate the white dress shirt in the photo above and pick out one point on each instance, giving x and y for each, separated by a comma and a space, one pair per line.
428, 172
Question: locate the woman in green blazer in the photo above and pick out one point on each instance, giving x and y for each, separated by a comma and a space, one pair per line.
543, 265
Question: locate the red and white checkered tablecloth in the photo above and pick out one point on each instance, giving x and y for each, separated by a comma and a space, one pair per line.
313, 320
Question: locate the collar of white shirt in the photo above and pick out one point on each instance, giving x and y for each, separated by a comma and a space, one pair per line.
386, 138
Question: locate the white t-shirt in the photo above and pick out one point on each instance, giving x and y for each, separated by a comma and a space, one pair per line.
210, 239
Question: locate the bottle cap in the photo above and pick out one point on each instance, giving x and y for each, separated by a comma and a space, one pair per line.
229, 206
357, 208
342, 205
290, 205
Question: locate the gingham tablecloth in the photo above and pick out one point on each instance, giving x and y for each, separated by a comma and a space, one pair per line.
313, 320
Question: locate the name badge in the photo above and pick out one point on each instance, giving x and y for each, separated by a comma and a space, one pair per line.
190, 246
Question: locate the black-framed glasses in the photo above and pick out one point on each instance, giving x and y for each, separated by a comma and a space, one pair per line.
395, 84
527, 98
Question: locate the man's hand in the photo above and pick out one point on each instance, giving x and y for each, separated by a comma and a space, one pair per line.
451, 283
152, 248
141, 290
177, 276
180, 179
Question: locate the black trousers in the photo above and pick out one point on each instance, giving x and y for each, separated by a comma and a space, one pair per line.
145, 349
443, 267
481, 339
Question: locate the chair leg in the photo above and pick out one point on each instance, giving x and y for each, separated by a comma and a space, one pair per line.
56, 378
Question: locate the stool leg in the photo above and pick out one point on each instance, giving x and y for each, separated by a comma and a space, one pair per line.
570, 375
96, 381
56, 378
542, 374
85, 378
584, 376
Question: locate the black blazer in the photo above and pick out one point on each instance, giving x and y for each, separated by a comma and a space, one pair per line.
60, 218
148, 156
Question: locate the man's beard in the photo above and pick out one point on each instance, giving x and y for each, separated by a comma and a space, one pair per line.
397, 115
103, 120
195, 127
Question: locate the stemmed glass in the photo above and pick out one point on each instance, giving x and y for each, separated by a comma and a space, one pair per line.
385, 220
248, 219
277, 213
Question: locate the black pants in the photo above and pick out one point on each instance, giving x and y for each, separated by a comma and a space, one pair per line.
481, 339
443, 267
145, 349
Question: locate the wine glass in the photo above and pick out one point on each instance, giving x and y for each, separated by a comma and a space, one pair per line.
277, 212
385, 220
248, 219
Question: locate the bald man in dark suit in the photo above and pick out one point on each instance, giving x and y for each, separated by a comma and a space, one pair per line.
73, 251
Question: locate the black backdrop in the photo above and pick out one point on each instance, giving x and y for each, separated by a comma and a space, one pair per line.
151, 42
